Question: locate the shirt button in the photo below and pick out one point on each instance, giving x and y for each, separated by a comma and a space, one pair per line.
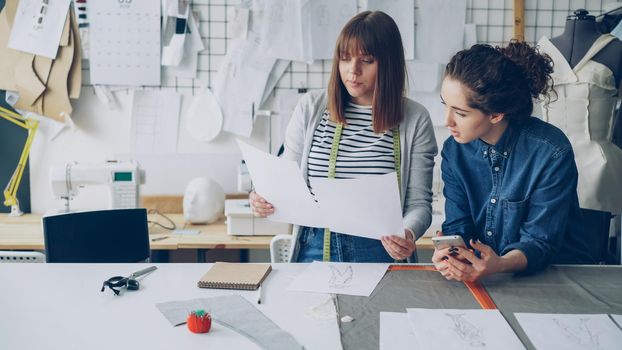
485, 153
505, 153
496, 168
492, 151
489, 233
493, 200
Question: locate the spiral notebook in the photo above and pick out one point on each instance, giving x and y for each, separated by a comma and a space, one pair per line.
235, 276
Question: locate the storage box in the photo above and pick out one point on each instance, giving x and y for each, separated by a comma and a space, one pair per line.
242, 222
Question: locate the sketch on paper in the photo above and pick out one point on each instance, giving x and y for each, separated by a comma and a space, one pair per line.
570, 331
340, 276
466, 330
462, 329
581, 334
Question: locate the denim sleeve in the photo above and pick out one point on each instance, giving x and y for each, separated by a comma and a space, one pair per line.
543, 229
458, 218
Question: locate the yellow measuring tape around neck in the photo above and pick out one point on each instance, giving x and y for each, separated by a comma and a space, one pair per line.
332, 170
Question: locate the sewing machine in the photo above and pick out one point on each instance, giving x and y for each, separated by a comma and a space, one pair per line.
122, 178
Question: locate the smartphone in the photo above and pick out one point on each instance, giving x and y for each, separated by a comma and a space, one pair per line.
441, 242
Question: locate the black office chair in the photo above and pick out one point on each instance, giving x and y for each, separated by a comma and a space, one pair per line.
103, 236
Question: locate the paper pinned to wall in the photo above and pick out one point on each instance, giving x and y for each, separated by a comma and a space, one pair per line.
395, 332
240, 85
155, 122
403, 13
38, 26
339, 278
424, 76
245, 79
326, 18
432, 102
125, 42
470, 35
570, 331
193, 44
237, 22
285, 31
462, 329
439, 16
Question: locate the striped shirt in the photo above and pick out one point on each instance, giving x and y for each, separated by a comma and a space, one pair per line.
361, 151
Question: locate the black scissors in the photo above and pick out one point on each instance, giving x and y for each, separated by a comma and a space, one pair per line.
129, 282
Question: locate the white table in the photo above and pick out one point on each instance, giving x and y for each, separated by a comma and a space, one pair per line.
60, 306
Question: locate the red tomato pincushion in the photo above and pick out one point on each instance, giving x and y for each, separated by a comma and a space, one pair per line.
199, 321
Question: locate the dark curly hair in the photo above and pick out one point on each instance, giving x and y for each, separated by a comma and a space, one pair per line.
503, 79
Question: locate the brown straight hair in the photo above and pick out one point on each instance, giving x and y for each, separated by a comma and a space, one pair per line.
376, 34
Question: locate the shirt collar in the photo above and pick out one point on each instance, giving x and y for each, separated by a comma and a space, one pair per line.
505, 144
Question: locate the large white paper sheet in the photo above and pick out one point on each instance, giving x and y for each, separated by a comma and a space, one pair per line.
339, 278
326, 18
155, 122
424, 76
570, 331
280, 182
435, 17
367, 206
446, 329
395, 332
38, 26
432, 102
403, 13
285, 32
125, 42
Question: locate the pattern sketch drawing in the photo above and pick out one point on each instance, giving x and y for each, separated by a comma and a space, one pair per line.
340, 276
467, 331
581, 334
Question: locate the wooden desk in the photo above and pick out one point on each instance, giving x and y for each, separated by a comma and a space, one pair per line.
25, 233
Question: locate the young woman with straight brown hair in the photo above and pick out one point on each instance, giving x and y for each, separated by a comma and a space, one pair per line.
376, 131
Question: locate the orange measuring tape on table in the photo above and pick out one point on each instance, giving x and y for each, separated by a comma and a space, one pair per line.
477, 290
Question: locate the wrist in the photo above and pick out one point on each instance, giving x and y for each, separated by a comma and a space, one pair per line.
409, 234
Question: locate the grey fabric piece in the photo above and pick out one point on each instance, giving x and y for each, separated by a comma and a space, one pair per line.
236, 313
396, 291
418, 148
559, 289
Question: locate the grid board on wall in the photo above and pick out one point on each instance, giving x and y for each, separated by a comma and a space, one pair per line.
494, 20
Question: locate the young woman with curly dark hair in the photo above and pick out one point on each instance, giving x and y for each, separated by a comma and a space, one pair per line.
510, 179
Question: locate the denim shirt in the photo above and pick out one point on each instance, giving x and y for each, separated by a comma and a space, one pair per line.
518, 194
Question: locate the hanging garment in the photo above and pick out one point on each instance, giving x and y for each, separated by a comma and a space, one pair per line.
585, 111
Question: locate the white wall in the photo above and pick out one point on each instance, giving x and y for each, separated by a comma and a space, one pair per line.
101, 135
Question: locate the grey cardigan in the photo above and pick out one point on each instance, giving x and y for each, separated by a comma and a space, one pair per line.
418, 148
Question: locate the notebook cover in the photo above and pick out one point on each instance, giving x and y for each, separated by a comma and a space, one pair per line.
235, 276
